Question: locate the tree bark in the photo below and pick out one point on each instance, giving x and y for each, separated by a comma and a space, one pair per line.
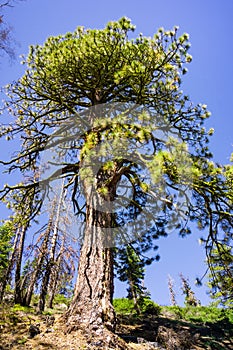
92, 307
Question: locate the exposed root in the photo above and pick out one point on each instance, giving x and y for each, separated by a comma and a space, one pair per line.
97, 336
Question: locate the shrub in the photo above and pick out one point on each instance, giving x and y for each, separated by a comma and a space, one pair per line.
148, 307
123, 306
202, 314
61, 299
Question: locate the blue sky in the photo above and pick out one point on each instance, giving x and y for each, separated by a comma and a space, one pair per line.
209, 81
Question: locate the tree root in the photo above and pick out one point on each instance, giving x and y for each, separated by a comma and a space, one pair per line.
98, 337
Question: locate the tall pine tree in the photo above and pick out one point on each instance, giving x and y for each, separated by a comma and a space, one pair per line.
130, 144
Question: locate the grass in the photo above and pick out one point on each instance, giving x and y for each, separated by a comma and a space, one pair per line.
201, 314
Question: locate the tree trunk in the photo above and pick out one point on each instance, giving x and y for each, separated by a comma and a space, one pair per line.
134, 295
18, 285
51, 258
92, 307
40, 260
55, 275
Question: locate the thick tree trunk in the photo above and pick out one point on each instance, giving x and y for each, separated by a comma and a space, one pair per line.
92, 307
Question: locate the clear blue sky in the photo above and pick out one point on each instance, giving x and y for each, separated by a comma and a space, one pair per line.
209, 81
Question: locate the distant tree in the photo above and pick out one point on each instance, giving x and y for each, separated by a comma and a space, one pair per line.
8, 250
172, 291
51, 252
130, 269
70, 99
190, 298
5, 29
221, 274
40, 252
6, 237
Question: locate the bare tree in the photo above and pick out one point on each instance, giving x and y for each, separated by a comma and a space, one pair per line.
171, 291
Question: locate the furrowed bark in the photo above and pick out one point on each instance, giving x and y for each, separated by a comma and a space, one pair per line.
92, 303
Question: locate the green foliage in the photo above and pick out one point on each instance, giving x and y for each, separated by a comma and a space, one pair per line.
201, 314
18, 307
6, 235
130, 269
35, 299
23, 340
124, 306
148, 307
94, 67
61, 299
220, 260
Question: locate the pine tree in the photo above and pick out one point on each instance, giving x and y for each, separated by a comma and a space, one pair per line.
221, 274
130, 269
113, 111
190, 299
6, 237
171, 291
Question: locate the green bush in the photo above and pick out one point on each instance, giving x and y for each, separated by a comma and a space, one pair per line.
18, 307
148, 307
61, 299
123, 306
126, 306
176, 310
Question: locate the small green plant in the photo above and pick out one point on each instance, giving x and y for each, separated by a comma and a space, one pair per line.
18, 307
22, 341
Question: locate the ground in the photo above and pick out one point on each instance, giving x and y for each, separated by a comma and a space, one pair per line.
22, 328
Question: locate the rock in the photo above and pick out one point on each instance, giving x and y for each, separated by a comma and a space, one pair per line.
150, 345
141, 340
9, 298
62, 306
49, 330
97, 343
175, 340
33, 330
